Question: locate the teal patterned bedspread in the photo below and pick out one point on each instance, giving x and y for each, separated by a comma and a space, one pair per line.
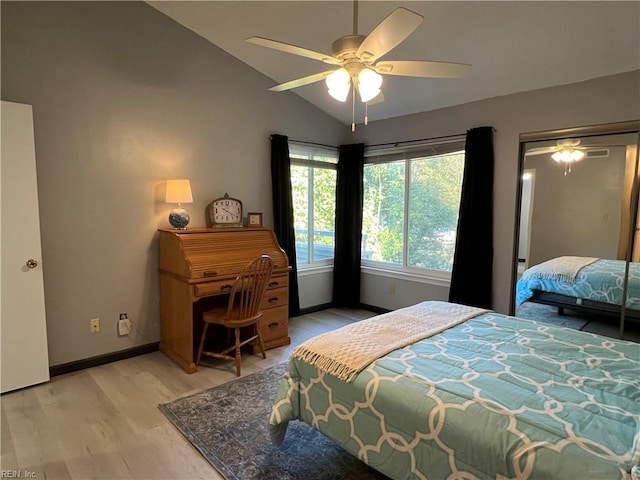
602, 281
496, 397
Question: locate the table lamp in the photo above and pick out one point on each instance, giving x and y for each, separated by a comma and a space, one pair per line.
179, 191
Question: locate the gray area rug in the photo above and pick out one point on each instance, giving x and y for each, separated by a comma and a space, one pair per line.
228, 425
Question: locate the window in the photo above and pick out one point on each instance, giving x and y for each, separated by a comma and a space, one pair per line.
313, 184
411, 203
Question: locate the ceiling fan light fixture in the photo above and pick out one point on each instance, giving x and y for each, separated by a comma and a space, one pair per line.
369, 83
356, 56
339, 84
568, 155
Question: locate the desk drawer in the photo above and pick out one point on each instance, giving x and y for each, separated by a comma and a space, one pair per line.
224, 286
278, 281
213, 288
276, 297
274, 323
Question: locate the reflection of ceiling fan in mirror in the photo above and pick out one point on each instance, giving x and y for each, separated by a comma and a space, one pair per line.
569, 151
357, 58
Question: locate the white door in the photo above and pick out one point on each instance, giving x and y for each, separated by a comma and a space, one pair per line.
23, 330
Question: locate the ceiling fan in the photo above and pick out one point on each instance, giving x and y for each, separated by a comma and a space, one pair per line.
567, 144
566, 152
357, 59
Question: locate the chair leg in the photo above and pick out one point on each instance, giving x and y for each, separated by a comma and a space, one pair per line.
238, 353
261, 343
201, 346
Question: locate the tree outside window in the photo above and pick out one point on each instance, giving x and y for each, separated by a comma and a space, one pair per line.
313, 184
411, 209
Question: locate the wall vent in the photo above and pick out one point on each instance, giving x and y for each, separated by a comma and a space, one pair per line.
597, 153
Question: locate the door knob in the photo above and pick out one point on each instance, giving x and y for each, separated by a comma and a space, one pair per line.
31, 263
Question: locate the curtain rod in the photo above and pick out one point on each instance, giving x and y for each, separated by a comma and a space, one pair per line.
313, 143
395, 144
405, 142
383, 144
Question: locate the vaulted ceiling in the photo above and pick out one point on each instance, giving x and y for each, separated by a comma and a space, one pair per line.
512, 46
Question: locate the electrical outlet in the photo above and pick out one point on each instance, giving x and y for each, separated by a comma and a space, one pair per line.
392, 288
94, 325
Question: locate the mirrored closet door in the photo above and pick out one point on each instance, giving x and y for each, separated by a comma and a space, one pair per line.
576, 248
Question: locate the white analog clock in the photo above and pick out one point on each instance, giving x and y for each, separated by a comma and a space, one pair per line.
226, 212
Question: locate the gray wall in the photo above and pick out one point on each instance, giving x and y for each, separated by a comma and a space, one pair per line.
124, 98
602, 100
577, 214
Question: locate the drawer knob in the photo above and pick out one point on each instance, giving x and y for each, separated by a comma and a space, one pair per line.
274, 284
226, 288
273, 300
273, 325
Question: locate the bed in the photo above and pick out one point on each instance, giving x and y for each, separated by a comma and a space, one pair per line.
490, 396
585, 284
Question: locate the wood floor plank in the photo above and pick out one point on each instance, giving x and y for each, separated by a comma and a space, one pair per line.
132, 395
7, 450
34, 439
104, 422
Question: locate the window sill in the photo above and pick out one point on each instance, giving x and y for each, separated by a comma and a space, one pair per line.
443, 280
314, 269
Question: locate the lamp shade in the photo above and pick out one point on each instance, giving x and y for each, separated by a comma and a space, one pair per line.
339, 83
369, 83
179, 191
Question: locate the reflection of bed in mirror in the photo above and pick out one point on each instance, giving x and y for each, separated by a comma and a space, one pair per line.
583, 284
578, 188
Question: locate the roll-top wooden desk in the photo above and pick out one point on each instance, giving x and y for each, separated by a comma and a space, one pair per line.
198, 267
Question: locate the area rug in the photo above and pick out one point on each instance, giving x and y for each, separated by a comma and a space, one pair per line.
228, 425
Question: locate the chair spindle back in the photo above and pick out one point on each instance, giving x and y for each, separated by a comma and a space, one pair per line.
249, 288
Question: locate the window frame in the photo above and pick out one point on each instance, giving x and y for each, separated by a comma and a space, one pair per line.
296, 150
407, 153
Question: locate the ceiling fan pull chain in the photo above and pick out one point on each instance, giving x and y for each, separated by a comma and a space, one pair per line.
366, 113
353, 107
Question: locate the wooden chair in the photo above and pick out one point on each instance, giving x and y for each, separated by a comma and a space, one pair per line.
242, 310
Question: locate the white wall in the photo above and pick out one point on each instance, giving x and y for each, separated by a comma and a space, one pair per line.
316, 287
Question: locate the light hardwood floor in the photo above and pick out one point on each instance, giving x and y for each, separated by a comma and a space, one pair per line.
103, 422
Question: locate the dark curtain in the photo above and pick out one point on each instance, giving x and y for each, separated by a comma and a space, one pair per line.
471, 276
348, 227
283, 212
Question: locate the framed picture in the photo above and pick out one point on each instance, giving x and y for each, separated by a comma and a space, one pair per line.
254, 219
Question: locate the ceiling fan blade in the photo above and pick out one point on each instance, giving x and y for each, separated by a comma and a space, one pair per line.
388, 34
293, 49
598, 146
540, 151
299, 82
412, 68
